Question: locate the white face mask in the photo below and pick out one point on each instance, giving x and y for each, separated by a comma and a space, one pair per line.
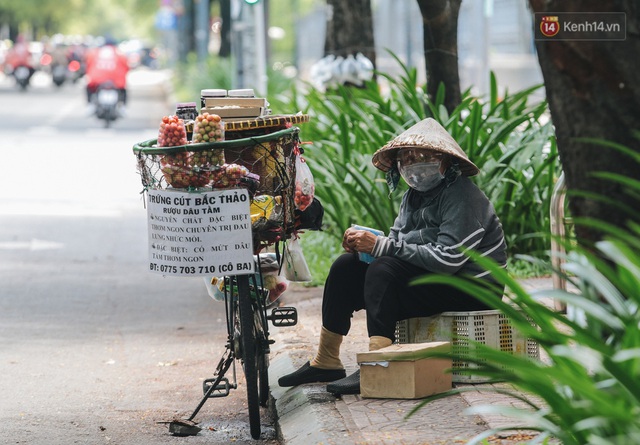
422, 176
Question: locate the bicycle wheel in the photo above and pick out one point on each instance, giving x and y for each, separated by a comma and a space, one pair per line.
262, 359
263, 375
262, 340
249, 353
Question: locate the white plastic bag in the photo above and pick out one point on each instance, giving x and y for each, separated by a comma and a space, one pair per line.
215, 287
305, 186
295, 265
275, 284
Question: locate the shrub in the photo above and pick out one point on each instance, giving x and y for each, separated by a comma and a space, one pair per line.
509, 139
589, 387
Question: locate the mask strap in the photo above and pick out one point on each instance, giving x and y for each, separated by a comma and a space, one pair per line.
452, 174
393, 178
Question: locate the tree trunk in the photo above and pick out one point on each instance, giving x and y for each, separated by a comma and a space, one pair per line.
593, 89
225, 29
440, 35
350, 29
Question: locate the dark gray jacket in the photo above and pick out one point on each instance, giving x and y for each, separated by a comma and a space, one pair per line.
432, 226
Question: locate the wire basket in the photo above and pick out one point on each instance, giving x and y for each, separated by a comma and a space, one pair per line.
264, 164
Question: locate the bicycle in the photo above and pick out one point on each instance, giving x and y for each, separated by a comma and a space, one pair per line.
272, 158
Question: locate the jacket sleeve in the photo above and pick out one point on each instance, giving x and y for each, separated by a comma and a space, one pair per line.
397, 224
459, 228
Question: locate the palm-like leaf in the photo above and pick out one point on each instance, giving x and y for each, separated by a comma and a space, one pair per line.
505, 137
590, 386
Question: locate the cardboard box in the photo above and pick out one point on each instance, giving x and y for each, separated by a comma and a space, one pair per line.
399, 372
235, 101
235, 113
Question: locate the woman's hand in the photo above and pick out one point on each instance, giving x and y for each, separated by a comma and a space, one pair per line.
345, 241
358, 241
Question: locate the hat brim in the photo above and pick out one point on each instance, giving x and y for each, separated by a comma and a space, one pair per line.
428, 135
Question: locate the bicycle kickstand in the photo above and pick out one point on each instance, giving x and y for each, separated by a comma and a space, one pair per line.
187, 427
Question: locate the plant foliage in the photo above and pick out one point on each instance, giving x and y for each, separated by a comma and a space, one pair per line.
508, 138
589, 385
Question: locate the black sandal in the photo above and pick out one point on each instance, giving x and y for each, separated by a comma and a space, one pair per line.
347, 385
310, 374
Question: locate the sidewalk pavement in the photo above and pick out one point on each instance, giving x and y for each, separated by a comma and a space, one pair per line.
308, 415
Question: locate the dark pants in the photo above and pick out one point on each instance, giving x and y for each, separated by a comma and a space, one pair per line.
381, 288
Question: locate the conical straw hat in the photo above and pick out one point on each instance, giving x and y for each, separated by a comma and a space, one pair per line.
427, 134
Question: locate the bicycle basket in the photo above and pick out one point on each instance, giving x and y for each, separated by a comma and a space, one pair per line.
218, 165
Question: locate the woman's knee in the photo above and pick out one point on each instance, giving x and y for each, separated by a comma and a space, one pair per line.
344, 264
384, 268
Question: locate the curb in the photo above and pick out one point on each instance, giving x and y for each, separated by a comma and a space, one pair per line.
302, 413
305, 414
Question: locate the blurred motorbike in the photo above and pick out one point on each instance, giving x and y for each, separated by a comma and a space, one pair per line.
59, 74
76, 69
107, 102
22, 74
55, 62
19, 62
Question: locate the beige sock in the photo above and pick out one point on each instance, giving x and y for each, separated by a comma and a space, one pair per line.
377, 342
328, 356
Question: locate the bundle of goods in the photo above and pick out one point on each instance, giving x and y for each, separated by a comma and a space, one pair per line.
267, 215
234, 104
272, 284
172, 132
229, 175
188, 168
257, 153
208, 128
265, 165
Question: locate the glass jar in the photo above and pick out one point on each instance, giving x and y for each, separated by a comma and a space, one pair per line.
188, 112
211, 94
246, 92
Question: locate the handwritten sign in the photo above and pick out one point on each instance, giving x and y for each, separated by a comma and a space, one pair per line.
203, 233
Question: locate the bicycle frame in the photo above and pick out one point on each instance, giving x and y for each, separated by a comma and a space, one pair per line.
270, 158
248, 341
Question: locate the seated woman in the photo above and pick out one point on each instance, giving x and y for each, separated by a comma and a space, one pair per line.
441, 213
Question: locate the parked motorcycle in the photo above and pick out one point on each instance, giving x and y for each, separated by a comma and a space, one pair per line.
107, 103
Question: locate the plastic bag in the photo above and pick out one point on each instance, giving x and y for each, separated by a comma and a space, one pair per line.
311, 217
365, 257
275, 285
228, 175
272, 282
208, 128
305, 187
268, 262
295, 265
172, 132
262, 206
215, 287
